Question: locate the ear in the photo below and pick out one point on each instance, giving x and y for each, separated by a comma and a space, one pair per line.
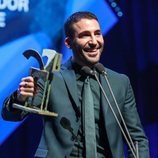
68, 42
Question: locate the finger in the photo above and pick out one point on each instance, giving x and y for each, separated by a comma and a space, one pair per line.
26, 84
27, 79
27, 89
26, 94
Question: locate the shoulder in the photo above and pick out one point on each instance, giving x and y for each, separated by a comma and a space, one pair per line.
65, 71
115, 73
120, 83
117, 77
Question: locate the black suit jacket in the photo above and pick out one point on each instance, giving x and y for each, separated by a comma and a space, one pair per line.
57, 140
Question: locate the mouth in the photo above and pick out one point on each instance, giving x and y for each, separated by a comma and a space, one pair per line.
92, 53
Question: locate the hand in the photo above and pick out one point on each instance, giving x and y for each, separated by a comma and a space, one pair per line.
26, 88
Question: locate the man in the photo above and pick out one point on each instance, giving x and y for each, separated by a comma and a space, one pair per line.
65, 135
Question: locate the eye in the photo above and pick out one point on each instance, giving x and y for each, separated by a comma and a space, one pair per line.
84, 35
98, 33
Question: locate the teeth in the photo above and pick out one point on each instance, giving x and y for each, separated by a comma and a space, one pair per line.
91, 50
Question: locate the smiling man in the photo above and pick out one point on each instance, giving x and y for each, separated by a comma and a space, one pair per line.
85, 126
86, 42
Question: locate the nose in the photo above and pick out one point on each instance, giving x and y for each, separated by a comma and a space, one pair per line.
93, 40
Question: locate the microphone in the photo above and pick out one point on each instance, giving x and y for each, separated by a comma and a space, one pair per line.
67, 125
87, 71
101, 69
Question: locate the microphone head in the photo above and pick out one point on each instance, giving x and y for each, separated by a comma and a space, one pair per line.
65, 123
87, 71
100, 68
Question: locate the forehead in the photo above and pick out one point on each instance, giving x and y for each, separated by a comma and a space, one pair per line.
86, 25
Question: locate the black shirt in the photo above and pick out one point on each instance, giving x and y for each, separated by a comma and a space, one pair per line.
78, 149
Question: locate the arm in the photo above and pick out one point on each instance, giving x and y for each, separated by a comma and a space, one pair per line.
25, 90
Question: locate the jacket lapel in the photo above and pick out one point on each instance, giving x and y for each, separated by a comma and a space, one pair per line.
107, 113
105, 105
70, 81
104, 102
110, 122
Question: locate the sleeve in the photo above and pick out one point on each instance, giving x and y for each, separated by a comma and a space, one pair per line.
10, 113
133, 123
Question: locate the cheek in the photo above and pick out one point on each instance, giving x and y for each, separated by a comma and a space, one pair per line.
78, 48
101, 41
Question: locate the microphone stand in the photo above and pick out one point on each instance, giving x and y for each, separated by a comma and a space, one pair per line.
135, 147
130, 143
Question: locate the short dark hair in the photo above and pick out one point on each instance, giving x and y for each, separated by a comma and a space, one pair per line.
75, 17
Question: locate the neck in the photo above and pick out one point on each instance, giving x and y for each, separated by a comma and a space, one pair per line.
90, 65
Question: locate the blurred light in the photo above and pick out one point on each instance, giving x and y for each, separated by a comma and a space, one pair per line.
2, 19
115, 7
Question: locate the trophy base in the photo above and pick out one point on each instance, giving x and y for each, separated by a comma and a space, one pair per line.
35, 110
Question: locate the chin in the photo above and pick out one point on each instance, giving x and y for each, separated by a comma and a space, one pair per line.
94, 61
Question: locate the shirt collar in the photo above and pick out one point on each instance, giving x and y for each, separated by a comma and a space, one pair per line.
79, 75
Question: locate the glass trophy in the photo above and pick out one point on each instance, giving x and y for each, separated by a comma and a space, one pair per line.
45, 73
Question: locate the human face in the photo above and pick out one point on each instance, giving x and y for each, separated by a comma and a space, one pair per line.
87, 42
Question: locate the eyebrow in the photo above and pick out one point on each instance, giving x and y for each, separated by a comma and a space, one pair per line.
87, 31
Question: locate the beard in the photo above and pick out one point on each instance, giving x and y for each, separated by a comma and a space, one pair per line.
86, 58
